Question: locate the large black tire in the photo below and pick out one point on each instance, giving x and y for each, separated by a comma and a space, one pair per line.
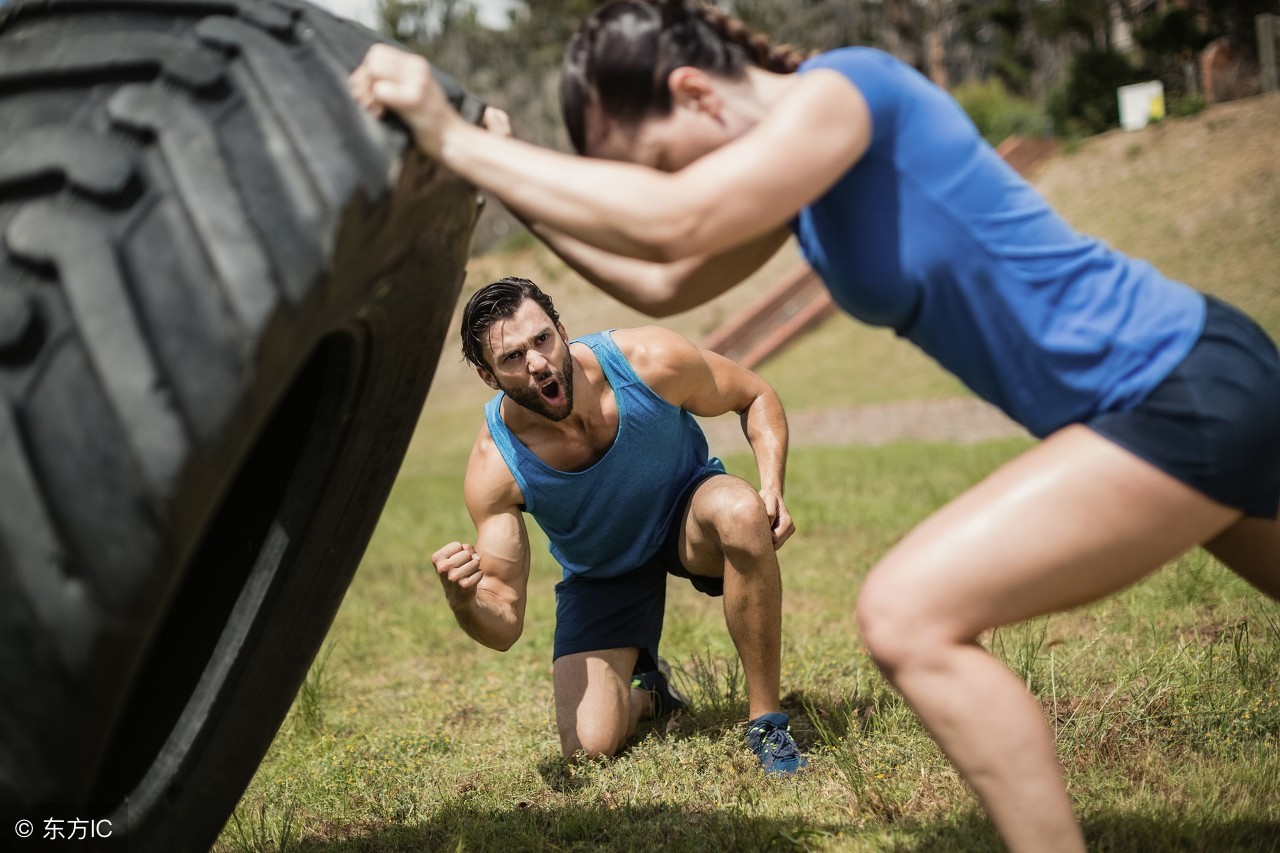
223, 293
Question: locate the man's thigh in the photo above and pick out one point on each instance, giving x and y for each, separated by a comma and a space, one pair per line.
620, 612
593, 699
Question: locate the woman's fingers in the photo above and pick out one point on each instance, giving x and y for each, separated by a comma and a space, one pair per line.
496, 121
390, 78
360, 84
397, 79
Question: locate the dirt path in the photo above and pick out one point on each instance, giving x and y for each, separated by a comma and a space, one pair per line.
960, 420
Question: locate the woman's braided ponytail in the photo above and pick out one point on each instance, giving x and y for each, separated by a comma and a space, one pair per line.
781, 59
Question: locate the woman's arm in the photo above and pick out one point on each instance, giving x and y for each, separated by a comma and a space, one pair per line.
658, 290
662, 289
733, 195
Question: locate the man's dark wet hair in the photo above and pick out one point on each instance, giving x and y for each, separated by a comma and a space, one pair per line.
497, 301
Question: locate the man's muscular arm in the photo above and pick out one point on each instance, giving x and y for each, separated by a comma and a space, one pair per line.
486, 584
708, 384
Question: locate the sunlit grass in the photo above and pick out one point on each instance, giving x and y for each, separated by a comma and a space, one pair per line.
1163, 700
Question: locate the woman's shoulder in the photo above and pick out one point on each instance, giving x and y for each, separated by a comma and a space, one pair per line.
882, 79
853, 58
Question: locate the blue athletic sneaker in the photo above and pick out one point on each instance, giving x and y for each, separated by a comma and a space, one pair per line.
657, 683
769, 737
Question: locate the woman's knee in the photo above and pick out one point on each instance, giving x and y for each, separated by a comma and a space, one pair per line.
901, 626
1251, 549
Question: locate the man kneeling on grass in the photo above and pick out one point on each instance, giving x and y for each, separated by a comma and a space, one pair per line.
596, 440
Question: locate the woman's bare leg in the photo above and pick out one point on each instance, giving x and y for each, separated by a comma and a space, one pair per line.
1251, 549
1068, 522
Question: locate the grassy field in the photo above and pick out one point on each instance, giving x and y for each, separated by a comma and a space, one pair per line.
1164, 700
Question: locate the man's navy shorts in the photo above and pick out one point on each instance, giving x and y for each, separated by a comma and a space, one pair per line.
626, 611
1214, 422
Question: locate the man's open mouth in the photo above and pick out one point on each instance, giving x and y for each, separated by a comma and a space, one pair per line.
551, 391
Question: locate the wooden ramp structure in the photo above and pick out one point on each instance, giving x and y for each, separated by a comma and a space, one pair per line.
793, 306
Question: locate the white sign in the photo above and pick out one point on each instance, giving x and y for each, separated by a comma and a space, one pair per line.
1141, 103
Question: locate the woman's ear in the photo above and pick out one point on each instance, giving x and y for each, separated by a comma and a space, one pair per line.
692, 87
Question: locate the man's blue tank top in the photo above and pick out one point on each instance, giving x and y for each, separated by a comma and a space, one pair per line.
613, 516
933, 234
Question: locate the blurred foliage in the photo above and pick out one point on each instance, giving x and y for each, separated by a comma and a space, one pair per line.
813, 25
1087, 103
1175, 33
1170, 42
515, 68
1237, 21
1181, 106
997, 112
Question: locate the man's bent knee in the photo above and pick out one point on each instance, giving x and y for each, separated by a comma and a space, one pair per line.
738, 515
594, 739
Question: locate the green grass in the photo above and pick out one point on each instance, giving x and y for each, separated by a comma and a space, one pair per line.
1163, 699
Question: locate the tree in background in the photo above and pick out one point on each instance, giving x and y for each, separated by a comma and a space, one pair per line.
1171, 40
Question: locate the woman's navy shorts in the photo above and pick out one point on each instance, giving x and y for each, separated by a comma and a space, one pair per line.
626, 611
1214, 422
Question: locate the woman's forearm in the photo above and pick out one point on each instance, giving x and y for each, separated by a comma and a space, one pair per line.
642, 285
657, 289
749, 186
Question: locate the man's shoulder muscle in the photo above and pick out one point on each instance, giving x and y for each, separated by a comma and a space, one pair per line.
657, 355
489, 483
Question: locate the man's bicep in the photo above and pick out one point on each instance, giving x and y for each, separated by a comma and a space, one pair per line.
503, 546
501, 537
725, 386
493, 501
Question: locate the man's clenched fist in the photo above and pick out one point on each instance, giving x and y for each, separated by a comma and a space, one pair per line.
458, 566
